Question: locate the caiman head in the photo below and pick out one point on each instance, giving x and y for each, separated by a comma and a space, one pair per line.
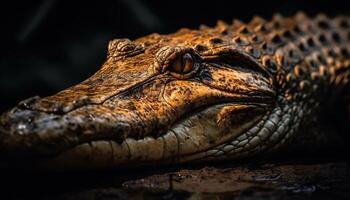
187, 96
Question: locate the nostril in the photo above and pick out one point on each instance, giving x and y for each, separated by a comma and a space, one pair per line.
18, 121
22, 128
18, 132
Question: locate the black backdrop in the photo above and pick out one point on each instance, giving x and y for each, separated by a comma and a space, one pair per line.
49, 45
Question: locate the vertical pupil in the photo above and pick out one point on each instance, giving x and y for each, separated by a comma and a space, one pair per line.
187, 62
183, 64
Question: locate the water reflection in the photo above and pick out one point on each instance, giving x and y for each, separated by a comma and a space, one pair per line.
244, 182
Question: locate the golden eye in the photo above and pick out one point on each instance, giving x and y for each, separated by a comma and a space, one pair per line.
183, 65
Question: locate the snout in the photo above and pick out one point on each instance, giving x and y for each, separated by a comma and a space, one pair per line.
22, 133
26, 133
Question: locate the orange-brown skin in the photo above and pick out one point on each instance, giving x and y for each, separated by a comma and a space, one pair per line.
213, 93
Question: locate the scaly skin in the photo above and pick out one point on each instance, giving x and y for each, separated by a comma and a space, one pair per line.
195, 95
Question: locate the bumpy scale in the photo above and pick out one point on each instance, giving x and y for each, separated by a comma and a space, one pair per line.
225, 92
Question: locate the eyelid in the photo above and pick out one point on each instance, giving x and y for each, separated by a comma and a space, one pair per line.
236, 57
166, 55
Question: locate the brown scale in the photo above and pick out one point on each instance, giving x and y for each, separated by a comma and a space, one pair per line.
305, 56
285, 43
299, 50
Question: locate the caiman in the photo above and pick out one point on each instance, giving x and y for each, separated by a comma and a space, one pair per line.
217, 93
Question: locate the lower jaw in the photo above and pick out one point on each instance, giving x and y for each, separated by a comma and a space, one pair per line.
182, 143
173, 147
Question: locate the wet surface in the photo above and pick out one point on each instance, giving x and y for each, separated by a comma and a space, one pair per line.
297, 180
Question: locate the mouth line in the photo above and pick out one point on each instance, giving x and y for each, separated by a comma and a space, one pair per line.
171, 158
176, 122
258, 100
37, 159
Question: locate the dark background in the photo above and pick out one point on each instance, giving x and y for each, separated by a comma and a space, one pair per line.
49, 45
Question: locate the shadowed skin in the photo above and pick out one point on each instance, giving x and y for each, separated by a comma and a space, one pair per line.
225, 92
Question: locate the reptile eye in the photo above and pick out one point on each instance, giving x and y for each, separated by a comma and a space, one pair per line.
183, 65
